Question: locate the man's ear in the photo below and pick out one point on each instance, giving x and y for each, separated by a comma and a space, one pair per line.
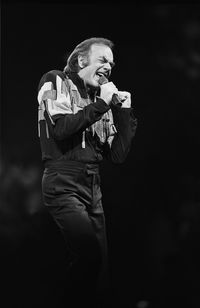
82, 61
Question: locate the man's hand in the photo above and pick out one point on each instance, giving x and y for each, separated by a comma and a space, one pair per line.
125, 98
107, 91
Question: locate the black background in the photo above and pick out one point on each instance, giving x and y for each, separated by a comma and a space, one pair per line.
152, 201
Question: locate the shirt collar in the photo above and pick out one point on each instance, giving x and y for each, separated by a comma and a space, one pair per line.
78, 81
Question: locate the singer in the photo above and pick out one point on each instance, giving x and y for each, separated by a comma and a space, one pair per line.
82, 119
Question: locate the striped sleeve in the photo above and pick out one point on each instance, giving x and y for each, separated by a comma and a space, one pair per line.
53, 91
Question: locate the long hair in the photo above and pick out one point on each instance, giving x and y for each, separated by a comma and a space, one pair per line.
83, 49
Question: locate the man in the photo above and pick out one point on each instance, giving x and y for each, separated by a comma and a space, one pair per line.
80, 124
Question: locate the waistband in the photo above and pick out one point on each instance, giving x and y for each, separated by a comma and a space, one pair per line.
64, 165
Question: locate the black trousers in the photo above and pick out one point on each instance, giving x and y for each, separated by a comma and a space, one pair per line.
73, 196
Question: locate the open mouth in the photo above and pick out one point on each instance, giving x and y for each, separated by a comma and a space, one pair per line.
99, 74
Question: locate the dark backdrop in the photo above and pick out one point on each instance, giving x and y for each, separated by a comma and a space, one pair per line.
152, 201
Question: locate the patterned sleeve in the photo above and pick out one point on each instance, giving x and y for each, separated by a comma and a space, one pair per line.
53, 91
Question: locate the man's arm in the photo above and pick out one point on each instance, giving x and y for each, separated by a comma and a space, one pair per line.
126, 124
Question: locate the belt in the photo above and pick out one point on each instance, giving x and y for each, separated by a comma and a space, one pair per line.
62, 165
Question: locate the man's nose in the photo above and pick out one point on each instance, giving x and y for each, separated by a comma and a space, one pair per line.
107, 66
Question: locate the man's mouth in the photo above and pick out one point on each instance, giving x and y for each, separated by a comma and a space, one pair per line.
99, 74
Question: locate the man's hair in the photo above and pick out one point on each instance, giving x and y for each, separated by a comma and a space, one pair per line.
83, 49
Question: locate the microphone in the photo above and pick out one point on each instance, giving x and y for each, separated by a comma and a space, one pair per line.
115, 98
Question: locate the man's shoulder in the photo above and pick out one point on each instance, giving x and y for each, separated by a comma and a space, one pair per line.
51, 76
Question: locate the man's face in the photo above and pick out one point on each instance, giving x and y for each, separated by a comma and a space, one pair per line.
100, 63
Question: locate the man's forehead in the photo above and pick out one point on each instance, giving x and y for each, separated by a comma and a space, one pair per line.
102, 50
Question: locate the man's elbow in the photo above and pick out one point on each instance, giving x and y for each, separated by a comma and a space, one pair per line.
119, 159
59, 135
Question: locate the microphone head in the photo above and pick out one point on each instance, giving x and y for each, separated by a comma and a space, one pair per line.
102, 80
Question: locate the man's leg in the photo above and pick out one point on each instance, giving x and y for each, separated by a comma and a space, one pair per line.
85, 243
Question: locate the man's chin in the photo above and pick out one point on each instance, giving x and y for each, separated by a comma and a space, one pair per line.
93, 85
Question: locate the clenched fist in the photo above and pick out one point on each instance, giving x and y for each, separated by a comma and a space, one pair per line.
125, 98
